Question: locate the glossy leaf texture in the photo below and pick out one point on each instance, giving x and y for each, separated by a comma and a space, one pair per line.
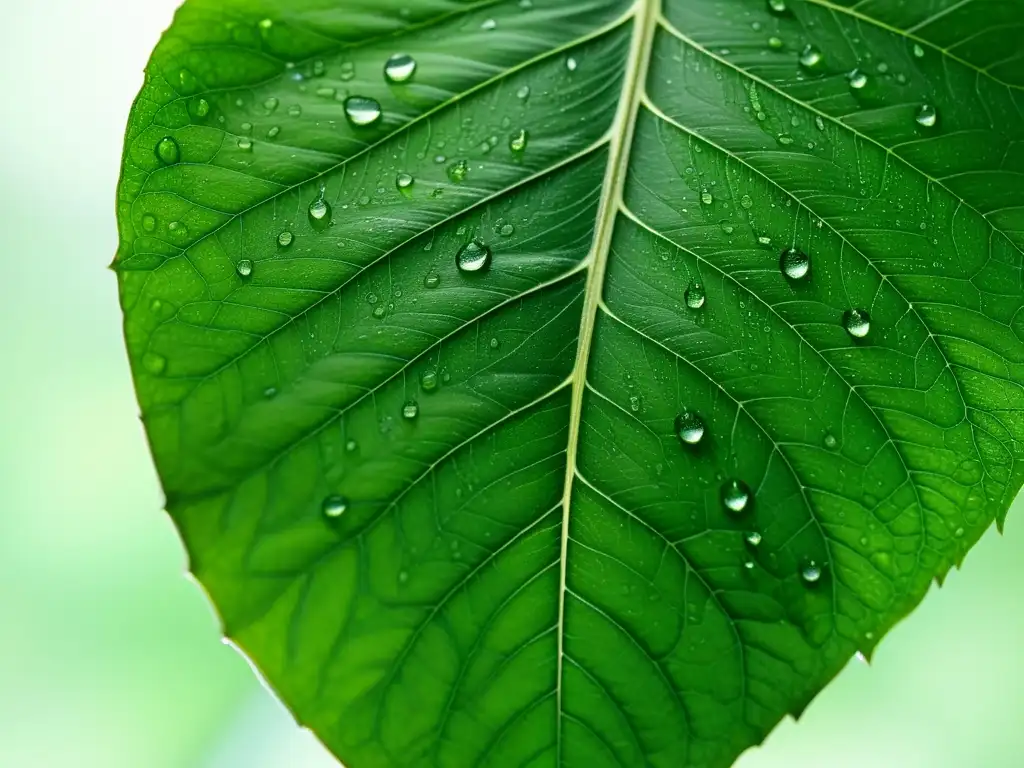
575, 382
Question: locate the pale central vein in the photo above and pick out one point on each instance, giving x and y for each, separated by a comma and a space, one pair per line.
645, 15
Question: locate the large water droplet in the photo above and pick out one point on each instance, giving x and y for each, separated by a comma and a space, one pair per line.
777, 6
334, 507
810, 57
400, 68
857, 79
362, 111
517, 141
810, 572
571, 64
857, 323
432, 280
244, 268
746, 202
404, 182
690, 427
320, 212
167, 151
736, 496
457, 171
428, 380
927, 116
795, 264
695, 295
474, 256
753, 538
410, 410
830, 441
285, 239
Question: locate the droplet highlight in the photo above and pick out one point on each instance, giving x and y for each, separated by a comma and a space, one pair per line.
690, 428
400, 68
857, 323
795, 264
474, 256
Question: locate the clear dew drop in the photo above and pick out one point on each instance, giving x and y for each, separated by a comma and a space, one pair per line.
271, 104
362, 111
517, 141
273, 132
200, 108
810, 57
428, 380
857, 79
410, 410
457, 171
927, 116
571, 64
404, 182
334, 507
695, 296
795, 264
244, 268
523, 93
810, 572
736, 496
320, 212
690, 427
400, 68
245, 144
753, 538
777, 6
775, 43
432, 280
285, 239
507, 230
857, 323
154, 363
474, 256
918, 51
167, 151
830, 441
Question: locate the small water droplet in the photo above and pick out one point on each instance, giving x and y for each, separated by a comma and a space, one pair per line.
857, 79
690, 427
810, 572
404, 182
746, 203
517, 141
245, 144
695, 296
285, 239
857, 323
334, 507
777, 6
775, 43
295, 111
958, 533
154, 363
523, 93
736, 496
457, 171
474, 256
706, 197
830, 441
149, 222
400, 68
200, 108
571, 64
488, 25
432, 280
320, 212
428, 380
271, 104
410, 410
244, 268
918, 51
167, 151
379, 311
810, 57
495, 343
753, 538
270, 393
362, 111
795, 264
927, 116
351, 446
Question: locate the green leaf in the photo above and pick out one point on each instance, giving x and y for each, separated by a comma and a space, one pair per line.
575, 382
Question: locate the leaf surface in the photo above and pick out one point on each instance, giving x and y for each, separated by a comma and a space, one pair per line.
575, 382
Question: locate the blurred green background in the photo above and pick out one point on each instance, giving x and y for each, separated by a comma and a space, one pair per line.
110, 658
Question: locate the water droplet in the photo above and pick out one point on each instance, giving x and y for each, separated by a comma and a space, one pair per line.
795, 264
695, 296
777, 6
295, 111
746, 202
400, 68
361, 111
495, 343
474, 256
167, 151
404, 182
857, 323
154, 363
810, 572
830, 441
271, 104
690, 427
736, 496
918, 51
517, 141
857, 79
320, 212
270, 393
244, 268
285, 239
488, 25
200, 108
351, 446
507, 230
188, 81
775, 43
810, 57
523, 93
706, 197
927, 116
428, 380
149, 222
457, 171
819, 123
753, 538
410, 410
379, 312
245, 144
432, 280
571, 64
334, 507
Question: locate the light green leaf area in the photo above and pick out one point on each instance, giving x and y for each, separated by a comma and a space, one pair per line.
575, 382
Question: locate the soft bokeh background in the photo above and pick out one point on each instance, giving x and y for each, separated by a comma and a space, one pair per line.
109, 658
